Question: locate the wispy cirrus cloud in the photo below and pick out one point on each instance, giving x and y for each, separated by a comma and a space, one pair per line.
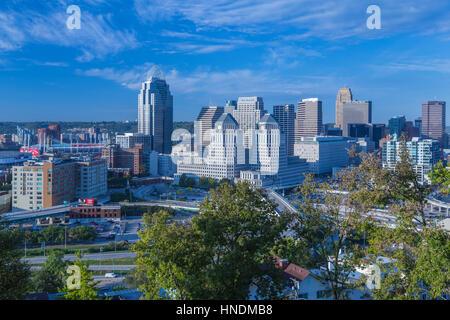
230, 82
97, 37
331, 19
433, 65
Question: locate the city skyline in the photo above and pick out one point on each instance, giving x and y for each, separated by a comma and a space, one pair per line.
96, 71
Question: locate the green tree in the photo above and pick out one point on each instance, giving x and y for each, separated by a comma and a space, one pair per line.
220, 255
167, 258
186, 182
51, 277
238, 227
432, 263
83, 233
87, 289
14, 274
329, 228
411, 240
441, 176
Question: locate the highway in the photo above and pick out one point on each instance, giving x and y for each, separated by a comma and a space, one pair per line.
100, 268
95, 256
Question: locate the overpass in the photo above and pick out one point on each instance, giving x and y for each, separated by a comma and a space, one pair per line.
436, 207
177, 205
378, 214
31, 216
283, 204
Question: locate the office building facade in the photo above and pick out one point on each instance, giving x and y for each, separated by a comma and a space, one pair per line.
355, 112
226, 154
247, 114
131, 140
323, 153
344, 95
397, 125
285, 115
309, 118
433, 121
204, 125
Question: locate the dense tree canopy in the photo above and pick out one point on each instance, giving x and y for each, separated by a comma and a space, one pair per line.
219, 255
14, 275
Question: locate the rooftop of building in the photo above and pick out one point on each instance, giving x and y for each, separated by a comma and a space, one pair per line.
291, 270
268, 119
226, 118
317, 139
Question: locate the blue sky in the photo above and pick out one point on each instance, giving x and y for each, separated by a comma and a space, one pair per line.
214, 50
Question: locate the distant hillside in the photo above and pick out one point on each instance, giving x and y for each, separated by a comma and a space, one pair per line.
105, 126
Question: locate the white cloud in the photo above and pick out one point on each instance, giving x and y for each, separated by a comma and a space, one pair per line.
331, 19
96, 38
232, 82
433, 65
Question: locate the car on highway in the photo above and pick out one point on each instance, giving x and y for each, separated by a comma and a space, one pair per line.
111, 275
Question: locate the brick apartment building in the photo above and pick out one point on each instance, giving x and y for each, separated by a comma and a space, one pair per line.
44, 184
131, 158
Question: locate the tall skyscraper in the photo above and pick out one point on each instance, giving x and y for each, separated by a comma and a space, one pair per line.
155, 111
285, 115
247, 114
396, 125
309, 118
344, 95
355, 112
204, 125
433, 121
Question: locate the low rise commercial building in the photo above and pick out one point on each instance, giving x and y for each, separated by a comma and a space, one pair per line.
94, 212
323, 153
131, 140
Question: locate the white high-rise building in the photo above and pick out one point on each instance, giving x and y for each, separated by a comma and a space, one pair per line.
274, 168
309, 118
247, 114
155, 111
204, 125
268, 145
225, 155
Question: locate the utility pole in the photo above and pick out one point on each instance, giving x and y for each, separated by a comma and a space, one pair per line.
65, 237
100, 260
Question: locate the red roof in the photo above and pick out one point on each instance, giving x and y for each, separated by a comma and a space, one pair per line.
291, 270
